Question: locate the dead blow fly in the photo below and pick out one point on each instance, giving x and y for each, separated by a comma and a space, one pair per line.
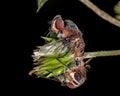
61, 58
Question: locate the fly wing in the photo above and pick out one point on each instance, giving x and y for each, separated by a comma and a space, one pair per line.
50, 49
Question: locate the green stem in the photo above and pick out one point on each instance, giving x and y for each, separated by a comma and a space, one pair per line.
102, 53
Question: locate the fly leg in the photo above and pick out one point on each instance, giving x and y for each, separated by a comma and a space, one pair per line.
86, 63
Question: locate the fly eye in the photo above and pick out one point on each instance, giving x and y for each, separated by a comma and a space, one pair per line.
77, 76
59, 24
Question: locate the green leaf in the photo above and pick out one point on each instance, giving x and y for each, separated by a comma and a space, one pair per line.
55, 72
50, 67
53, 35
117, 8
40, 3
48, 39
117, 17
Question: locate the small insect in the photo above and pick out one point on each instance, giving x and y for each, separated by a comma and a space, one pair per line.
70, 71
75, 76
70, 35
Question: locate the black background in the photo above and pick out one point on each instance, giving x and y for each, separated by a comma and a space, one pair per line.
103, 77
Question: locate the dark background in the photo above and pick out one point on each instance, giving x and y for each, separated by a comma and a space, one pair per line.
103, 77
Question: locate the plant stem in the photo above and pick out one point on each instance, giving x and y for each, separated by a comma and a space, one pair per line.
102, 53
101, 13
